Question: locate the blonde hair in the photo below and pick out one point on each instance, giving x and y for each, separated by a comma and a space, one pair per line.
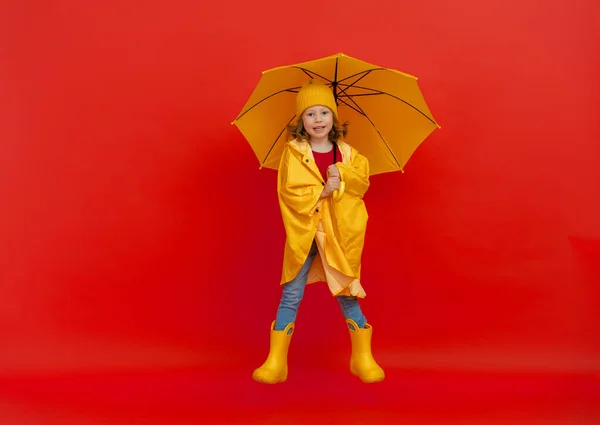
297, 131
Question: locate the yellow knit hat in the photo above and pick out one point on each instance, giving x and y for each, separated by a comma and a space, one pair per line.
314, 93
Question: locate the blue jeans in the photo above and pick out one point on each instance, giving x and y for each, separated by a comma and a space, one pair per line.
293, 291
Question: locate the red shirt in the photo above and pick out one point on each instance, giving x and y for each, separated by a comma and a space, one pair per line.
324, 160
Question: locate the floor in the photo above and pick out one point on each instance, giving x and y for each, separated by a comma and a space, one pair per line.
310, 396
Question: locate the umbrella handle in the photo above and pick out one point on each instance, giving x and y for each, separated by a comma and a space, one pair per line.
338, 194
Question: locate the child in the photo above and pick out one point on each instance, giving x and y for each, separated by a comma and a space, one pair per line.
324, 234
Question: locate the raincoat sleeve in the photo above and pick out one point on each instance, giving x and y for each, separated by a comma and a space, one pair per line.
356, 176
302, 197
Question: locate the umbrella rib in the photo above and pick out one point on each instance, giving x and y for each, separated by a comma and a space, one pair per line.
306, 72
384, 142
360, 111
276, 139
351, 107
311, 74
367, 71
362, 95
352, 85
379, 92
403, 101
290, 90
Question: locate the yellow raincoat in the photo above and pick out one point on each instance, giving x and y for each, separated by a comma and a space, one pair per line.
338, 227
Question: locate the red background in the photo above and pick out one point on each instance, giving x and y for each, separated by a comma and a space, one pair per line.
137, 233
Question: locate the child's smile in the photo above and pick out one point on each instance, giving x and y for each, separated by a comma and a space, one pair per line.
318, 121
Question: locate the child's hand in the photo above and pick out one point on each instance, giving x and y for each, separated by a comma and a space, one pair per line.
332, 171
333, 183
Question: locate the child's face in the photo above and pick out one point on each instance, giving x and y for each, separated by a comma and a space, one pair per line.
317, 121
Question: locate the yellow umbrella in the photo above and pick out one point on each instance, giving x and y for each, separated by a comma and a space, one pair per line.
385, 108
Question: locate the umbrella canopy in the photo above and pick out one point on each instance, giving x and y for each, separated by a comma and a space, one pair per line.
387, 113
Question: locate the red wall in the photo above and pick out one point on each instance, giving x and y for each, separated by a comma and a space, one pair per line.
137, 231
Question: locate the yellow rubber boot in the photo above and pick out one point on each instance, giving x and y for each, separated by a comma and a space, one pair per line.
275, 370
362, 363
